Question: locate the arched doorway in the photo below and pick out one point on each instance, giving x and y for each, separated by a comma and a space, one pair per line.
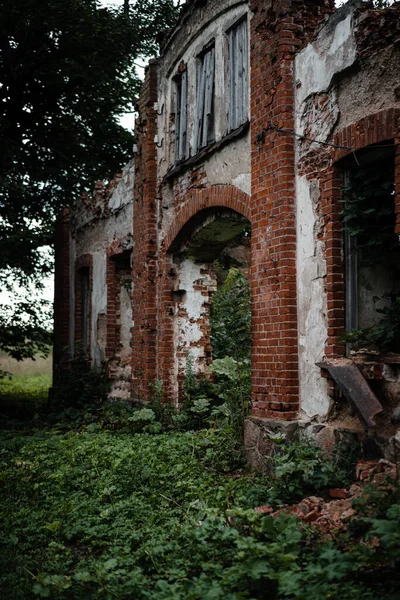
211, 247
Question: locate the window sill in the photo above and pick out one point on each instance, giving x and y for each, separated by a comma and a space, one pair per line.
206, 152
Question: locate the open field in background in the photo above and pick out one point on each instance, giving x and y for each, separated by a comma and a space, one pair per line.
26, 391
39, 366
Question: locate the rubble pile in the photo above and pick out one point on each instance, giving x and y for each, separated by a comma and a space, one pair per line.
334, 511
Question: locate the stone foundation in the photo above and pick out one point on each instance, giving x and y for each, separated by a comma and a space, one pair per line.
259, 434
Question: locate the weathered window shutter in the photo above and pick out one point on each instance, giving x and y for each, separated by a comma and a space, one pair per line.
208, 119
177, 117
204, 130
238, 76
201, 81
232, 82
183, 118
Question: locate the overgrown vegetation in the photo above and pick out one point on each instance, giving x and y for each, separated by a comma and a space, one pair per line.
92, 511
23, 396
223, 400
67, 72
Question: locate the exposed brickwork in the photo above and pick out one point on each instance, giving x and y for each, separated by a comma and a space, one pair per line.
145, 247
324, 164
173, 201
377, 29
111, 280
278, 30
114, 278
196, 201
61, 297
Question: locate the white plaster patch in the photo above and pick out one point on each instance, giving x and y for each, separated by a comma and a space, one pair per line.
123, 193
311, 270
332, 52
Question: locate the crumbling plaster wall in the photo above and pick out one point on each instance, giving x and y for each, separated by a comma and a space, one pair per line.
192, 296
226, 162
230, 164
102, 219
338, 81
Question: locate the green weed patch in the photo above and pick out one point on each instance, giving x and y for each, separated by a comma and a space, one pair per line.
90, 514
22, 396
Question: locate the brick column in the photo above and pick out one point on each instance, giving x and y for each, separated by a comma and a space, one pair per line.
145, 242
278, 29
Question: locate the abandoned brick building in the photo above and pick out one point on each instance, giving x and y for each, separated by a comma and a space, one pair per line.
258, 115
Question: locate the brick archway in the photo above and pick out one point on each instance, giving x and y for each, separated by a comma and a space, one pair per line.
222, 196
198, 206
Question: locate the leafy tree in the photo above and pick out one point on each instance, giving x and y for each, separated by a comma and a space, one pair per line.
67, 72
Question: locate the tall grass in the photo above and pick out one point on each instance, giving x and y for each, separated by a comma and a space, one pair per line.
39, 366
24, 392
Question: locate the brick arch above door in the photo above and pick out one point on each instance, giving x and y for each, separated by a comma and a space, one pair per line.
222, 196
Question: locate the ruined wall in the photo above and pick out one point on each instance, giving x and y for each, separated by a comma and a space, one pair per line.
278, 31
346, 82
101, 229
166, 191
322, 86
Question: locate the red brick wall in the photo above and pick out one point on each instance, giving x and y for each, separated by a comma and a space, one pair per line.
115, 276
278, 30
61, 297
145, 242
111, 281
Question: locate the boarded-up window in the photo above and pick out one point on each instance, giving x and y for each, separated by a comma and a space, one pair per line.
181, 145
238, 76
204, 128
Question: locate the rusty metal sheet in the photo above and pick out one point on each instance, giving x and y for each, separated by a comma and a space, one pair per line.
356, 389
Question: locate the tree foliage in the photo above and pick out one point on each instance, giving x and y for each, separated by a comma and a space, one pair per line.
67, 72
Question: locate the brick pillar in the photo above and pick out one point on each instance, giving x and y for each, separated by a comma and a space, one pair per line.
278, 30
62, 245
145, 245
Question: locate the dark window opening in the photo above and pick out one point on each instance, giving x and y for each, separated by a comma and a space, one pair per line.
372, 252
